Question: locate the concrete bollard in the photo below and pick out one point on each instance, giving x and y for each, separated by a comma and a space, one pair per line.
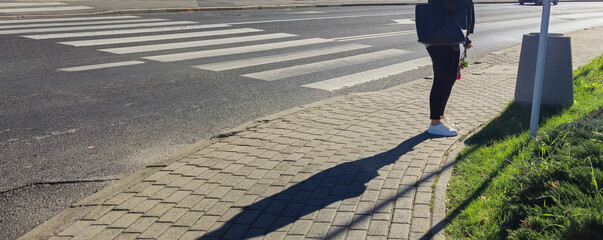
558, 82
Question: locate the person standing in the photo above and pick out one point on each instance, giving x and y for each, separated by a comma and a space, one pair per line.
445, 61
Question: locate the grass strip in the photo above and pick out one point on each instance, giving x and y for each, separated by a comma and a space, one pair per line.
507, 187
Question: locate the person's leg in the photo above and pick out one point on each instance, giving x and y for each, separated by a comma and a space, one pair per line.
441, 88
440, 57
449, 68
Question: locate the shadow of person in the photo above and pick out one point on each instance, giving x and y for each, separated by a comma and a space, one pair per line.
344, 181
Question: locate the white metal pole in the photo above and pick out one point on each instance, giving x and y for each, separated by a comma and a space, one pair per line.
540, 63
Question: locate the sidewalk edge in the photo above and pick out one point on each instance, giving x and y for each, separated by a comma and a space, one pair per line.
438, 219
58, 223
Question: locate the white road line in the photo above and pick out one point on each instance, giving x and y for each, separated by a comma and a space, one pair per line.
108, 41
79, 23
221, 66
375, 74
235, 50
307, 12
30, 4
112, 26
376, 35
100, 66
200, 43
404, 21
317, 18
48, 20
119, 32
299, 70
43, 9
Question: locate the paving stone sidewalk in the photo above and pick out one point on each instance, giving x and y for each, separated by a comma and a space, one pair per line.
354, 167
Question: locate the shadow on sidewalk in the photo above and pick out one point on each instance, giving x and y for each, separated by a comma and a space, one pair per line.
335, 184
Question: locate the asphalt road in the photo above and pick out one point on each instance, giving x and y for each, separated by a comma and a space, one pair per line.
67, 131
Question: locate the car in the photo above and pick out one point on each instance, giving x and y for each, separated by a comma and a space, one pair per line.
537, 2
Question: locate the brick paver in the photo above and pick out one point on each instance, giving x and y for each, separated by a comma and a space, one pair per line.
355, 167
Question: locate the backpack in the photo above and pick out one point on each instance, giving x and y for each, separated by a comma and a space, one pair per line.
441, 22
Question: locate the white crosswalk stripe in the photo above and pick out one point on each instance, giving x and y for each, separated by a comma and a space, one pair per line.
178, 38
306, 12
43, 9
190, 44
100, 66
363, 77
125, 31
2, 5
235, 50
33, 7
111, 26
108, 41
72, 19
298, 70
369, 36
221, 66
38, 25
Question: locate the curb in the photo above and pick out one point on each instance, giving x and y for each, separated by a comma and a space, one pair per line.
83, 207
438, 214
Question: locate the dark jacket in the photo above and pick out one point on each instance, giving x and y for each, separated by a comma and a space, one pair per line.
462, 8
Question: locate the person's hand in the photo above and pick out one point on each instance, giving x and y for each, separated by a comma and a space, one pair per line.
467, 43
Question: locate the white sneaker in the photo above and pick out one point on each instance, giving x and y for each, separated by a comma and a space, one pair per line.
441, 130
449, 124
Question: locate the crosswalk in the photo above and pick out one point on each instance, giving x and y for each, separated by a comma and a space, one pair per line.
33, 7
241, 49
298, 70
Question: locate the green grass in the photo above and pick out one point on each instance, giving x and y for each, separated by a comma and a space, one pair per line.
505, 186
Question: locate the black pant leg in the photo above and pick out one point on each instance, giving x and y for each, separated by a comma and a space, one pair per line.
445, 62
451, 70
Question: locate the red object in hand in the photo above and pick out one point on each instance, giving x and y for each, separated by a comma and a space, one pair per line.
458, 76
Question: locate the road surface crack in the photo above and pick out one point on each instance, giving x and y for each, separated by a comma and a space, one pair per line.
52, 183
